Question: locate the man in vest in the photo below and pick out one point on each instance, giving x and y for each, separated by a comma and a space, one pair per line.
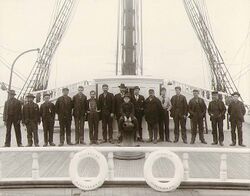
216, 111
47, 112
12, 115
236, 110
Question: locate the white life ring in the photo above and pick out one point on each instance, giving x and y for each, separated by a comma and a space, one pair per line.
81, 182
152, 181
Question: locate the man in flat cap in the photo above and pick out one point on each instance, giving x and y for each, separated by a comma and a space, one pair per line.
197, 110
64, 112
106, 104
236, 111
47, 112
118, 102
12, 114
179, 113
152, 114
216, 111
79, 112
138, 101
164, 115
31, 118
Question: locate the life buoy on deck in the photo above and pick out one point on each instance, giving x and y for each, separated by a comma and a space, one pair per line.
93, 183
154, 182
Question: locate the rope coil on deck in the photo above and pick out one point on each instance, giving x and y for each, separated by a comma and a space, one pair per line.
158, 185
92, 183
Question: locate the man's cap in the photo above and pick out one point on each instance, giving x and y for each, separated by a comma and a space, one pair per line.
151, 90
122, 85
163, 89
65, 89
105, 85
137, 87
127, 95
236, 93
12, 92
80, 86
30, 95
195, 91
178, 87
215, 93
46, 94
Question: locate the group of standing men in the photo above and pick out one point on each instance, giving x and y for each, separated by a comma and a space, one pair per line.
125, 107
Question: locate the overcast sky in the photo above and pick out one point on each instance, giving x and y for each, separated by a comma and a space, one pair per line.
88, 49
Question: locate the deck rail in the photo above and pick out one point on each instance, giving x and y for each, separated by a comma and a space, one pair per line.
109, 153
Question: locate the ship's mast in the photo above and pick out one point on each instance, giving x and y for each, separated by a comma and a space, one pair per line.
130, 39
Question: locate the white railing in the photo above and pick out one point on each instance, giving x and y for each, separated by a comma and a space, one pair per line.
223, 171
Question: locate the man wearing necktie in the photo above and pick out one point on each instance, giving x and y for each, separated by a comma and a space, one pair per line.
164, 116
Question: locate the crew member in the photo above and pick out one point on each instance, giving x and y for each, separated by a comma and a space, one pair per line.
64, 112
12, 114
106, 104
216, 111
47, 112
179, 113
152, 111
31, 118
138, 101
93, 117
197, 109
79, 113
236, 110
118, 102
164, 116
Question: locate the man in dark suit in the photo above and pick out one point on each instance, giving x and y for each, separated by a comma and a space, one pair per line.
47, 112
93, 117
197, 109
118, 102
152, 112
106, 106
12, 114
216, 111
236, 110
179, 113
164, 116
31, 118
79, 113
138, 101
64, 112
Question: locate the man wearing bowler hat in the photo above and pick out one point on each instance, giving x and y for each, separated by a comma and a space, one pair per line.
64, 112
216, 111
12, 114
138, 101
197, 110
236, 110
118, 102
31, 118
47, 112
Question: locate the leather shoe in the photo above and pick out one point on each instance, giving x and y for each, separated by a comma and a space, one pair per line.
61, 144
233, 144
52, 144
242, 145
214, 143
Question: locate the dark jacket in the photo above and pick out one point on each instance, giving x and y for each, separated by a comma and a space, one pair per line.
79, 104
236, 110
179, 106
118, 102
12, 109
197, 110
30, 113
47, 111
138, 104
64, 108
216, 110
127, 109
152, 110
106, 104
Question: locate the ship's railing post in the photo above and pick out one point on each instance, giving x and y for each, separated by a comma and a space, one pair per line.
111, 166
223, 167
35, 166
185, 158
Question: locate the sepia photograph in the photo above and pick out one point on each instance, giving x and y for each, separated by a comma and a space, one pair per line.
124, 97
